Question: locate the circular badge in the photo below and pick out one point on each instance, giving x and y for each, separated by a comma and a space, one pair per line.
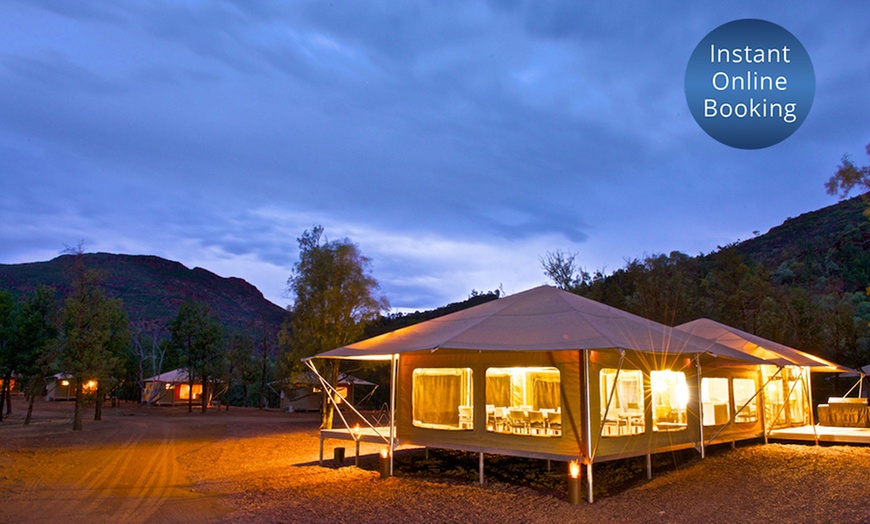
750, 84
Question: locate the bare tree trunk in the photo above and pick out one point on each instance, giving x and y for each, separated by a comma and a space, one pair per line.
263, 382
7, 385
205, 390
30, 398
77, 415
328, 409
98, 405
32, 391
190, 391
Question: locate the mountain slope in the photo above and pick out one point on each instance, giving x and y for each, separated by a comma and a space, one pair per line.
153, 288
834, 240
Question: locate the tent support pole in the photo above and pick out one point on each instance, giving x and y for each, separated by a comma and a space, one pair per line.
480, 466
393, 371
805, 376
859, 385
700, 408
588, 404
333, 394
648, 466
320, 461
762, 408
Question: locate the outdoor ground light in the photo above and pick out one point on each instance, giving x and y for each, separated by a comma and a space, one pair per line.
574, 482
356, 441
384, 462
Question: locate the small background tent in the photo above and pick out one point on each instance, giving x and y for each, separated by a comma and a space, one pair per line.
303, 391
60, 387
170, 388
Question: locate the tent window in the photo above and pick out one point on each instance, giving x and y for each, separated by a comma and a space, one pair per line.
524, 401
670, 396
626, 413
184, 391
744, 390
443, 398
779, 411
714, 401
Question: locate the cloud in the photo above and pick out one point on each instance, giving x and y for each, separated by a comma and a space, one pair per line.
456, 143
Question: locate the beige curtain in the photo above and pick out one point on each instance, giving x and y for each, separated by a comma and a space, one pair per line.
436, 399
498, 390
545, 392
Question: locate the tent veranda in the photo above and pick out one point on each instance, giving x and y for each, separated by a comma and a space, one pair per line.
786, 374
546, 374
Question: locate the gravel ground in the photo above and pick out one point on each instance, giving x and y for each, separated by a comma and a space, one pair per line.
162, 465
275, 479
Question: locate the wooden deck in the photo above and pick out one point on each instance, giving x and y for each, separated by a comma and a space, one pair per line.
825, 434
380, 435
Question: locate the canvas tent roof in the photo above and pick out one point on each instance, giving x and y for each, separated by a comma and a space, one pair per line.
855, 372
540, 319
768, 350
176, 375
308, 378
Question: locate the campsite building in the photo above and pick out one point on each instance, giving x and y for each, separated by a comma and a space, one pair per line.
170, 388
548, 374
62, 387
303, 391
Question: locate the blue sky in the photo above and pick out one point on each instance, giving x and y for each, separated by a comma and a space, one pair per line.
455, 142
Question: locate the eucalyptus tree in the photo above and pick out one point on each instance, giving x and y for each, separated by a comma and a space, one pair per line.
334, 296
94, 335
8, 319
36, 342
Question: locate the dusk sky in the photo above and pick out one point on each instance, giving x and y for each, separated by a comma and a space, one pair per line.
455, 143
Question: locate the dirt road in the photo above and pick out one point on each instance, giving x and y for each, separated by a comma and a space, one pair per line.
127, 468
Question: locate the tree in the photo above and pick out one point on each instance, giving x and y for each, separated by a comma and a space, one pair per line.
95, 333
242, 367
36, 342
265, 343
561, 268
667, 291
8, 332
335, 295
197, 337
849, 176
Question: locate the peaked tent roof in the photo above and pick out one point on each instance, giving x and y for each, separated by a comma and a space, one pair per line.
540, 319
307, 378
768, 350
176, 375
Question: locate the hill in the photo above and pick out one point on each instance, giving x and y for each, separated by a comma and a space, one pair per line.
801, 284
834, 240
153, 288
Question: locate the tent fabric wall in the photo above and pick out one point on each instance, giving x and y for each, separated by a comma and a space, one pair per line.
569, 445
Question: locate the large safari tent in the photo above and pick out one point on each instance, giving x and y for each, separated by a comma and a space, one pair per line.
548, 374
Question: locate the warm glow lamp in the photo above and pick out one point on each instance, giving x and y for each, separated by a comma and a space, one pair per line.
574, 482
